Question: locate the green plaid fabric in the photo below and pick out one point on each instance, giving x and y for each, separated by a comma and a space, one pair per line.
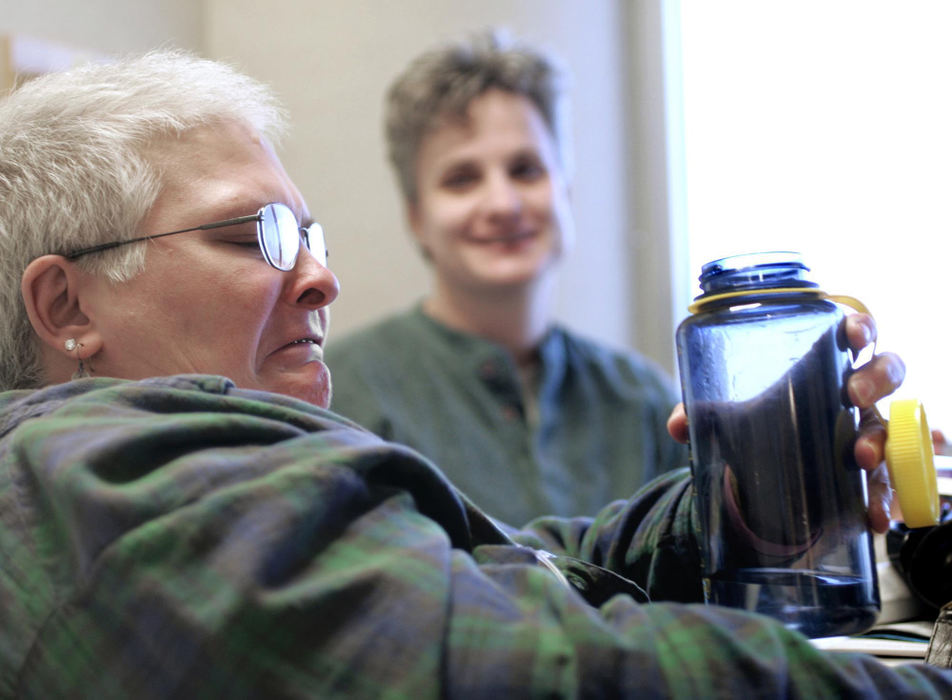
598, 433
180, 538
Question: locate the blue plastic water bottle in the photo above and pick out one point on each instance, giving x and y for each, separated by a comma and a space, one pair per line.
763, 364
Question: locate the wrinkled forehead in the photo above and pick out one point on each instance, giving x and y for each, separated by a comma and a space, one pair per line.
206, 147
218, 169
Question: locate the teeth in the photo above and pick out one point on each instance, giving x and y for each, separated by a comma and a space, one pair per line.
302, 340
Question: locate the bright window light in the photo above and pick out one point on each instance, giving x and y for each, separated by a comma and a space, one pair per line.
825, 127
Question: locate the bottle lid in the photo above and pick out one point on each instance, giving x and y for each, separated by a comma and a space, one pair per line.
911, 463
768, 275
771, 269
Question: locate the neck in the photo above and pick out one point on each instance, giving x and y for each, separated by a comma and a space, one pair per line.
514, 318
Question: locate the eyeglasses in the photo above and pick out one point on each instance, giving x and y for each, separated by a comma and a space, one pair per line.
279, 237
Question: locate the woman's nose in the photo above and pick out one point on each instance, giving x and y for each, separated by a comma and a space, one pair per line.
312, 283
502, 196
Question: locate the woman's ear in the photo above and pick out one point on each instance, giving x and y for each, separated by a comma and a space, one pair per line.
412, 210
415, 223
52, 290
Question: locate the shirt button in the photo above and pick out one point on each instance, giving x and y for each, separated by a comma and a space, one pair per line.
510, 413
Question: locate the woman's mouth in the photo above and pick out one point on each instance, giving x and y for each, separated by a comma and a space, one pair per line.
504, 238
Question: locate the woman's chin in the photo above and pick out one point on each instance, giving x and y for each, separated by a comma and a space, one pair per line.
515, 272
311, 383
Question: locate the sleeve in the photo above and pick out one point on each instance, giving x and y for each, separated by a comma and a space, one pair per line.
658, 385
655, 388
233, 551
363, 382
650, 539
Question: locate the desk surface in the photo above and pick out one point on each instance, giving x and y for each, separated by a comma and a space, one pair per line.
895, 643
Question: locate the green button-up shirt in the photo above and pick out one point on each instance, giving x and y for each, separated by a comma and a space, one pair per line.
595, 432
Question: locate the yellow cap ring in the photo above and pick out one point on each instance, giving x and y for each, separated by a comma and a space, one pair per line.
911, 463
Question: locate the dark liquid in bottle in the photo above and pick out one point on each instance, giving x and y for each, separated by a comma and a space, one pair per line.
783, 502
816, 604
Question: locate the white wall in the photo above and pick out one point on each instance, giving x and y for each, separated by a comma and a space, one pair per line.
332, 60
106, 26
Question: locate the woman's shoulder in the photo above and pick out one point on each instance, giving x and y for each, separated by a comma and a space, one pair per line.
584, 348
624, 369
386, 334
408, 339
107, 399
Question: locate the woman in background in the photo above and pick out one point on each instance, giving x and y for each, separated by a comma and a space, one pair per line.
525, 416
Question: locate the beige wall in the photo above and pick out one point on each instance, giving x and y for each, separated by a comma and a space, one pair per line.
106, 26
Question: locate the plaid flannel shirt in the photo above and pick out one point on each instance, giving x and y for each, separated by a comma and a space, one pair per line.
179, 537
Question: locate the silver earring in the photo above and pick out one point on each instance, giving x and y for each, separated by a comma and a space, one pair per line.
80, 372
72, 345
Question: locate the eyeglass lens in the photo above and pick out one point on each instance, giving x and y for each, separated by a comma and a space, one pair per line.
280, 237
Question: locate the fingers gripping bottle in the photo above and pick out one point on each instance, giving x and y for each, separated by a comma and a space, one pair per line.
763, 363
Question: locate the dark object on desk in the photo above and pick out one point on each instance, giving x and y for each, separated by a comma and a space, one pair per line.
939, 652
924, 558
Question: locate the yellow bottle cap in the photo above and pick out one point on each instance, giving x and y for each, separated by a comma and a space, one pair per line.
911, 463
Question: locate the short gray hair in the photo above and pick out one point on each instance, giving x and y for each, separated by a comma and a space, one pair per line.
440, 84
75, 171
